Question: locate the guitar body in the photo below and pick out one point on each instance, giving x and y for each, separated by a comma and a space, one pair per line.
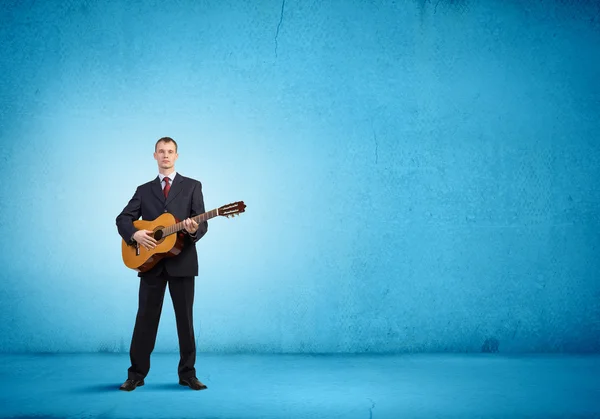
142, 260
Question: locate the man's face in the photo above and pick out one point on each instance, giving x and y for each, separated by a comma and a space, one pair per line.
165, 155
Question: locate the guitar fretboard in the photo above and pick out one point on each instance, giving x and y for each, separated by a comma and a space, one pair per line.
175, 228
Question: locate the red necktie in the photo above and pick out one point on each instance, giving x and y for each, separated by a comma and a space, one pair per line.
167, 186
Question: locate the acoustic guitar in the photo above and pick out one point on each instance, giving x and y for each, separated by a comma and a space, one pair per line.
166, 231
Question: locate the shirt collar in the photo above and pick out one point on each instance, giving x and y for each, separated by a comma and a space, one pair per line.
171, 176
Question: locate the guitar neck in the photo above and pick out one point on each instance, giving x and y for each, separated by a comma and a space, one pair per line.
175, 228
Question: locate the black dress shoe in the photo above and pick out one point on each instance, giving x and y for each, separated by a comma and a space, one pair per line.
192, 383
131, 384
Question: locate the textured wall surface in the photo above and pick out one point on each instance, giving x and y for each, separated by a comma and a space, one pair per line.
419, 175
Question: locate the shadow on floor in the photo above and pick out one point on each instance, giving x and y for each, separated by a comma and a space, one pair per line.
108, 388
98, 388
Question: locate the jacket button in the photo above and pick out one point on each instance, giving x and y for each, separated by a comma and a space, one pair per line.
165, 210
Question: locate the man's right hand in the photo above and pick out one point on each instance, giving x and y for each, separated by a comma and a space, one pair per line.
144, 238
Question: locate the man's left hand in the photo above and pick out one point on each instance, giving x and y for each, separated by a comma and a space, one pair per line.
190, 225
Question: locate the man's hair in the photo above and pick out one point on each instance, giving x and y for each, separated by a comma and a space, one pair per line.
166, 140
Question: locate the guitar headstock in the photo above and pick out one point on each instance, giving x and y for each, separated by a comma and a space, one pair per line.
233, 209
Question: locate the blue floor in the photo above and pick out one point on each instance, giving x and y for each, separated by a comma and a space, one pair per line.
305, 386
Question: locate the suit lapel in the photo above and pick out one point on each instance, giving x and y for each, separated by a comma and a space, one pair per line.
175, 188
157, 189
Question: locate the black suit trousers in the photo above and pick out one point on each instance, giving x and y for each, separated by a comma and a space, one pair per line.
151, 297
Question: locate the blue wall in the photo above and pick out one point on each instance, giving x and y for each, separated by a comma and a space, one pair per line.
419, 175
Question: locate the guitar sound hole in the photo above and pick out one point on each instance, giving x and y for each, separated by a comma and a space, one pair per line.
158, 235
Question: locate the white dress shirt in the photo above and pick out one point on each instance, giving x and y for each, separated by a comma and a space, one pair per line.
162, 179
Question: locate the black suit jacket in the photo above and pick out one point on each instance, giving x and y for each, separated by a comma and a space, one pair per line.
185, 200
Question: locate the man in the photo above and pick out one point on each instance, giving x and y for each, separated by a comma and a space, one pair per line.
182, 197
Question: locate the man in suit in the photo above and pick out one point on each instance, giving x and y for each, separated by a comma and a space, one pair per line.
182, 197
